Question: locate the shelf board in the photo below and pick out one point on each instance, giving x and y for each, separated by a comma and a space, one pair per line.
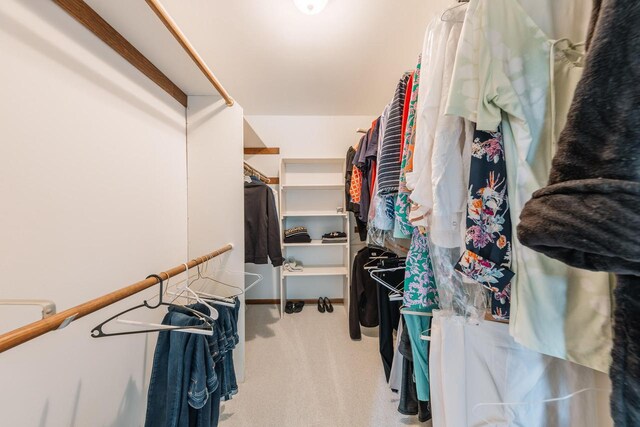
261, 150
313, 187
317, 271
314, 213
314, 243
140, 26
314, 160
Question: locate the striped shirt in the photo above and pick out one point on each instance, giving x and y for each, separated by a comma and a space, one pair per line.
390, 152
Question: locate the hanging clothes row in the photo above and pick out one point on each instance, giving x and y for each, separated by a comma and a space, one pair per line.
442, 175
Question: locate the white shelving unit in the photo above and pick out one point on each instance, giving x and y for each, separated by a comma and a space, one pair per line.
312, 195
318, 271
313, 243
312, 187
313, 213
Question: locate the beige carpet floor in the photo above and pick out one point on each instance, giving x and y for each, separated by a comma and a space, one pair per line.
305, 371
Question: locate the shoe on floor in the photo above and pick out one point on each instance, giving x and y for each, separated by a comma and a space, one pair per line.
321, 308
292, 265
327, 305
424, 411
289, 307
298, 306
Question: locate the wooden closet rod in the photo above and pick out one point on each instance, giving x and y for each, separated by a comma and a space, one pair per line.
88, 17
62, 319
264, 178
173, 28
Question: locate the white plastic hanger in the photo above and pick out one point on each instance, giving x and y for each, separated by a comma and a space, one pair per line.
424, 335
384, 254
258, 277
208, 332
416, 313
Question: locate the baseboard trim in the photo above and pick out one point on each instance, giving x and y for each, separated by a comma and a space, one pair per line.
277, 301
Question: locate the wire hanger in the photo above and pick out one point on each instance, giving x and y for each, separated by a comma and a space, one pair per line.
384, 254
212, 299
396, 292
205, 329
186, 292
213, 279
259, 278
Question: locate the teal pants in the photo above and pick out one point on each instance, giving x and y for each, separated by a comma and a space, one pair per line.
416, 325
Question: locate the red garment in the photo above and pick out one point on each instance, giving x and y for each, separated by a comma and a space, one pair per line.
405, 114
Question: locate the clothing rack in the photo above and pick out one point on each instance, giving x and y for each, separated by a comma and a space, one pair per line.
248, 169
361, 130
173, 28
62, 319
85, 15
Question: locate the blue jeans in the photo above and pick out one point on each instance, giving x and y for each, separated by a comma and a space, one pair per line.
192, 373
183, 373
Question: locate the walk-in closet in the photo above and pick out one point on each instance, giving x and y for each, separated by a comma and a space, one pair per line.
303, 213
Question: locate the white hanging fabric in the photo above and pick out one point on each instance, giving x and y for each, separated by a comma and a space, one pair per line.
481, 377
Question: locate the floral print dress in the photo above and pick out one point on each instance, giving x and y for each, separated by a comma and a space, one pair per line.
420, 292
487, 259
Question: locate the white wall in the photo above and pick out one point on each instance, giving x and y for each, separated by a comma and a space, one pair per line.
300, 136
216, 196
93, 192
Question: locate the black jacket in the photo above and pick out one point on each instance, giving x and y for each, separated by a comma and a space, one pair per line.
363, 299
363, 293
261, 225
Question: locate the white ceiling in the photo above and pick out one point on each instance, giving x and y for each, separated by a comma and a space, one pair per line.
275, 60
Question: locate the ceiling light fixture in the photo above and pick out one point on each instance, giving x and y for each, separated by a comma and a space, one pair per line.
311, 7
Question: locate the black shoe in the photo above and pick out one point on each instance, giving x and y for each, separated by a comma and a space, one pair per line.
298, 306
288, 307
327, 305
424, 411
321, 305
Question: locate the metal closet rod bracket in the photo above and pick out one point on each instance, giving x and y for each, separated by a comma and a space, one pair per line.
48, 307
